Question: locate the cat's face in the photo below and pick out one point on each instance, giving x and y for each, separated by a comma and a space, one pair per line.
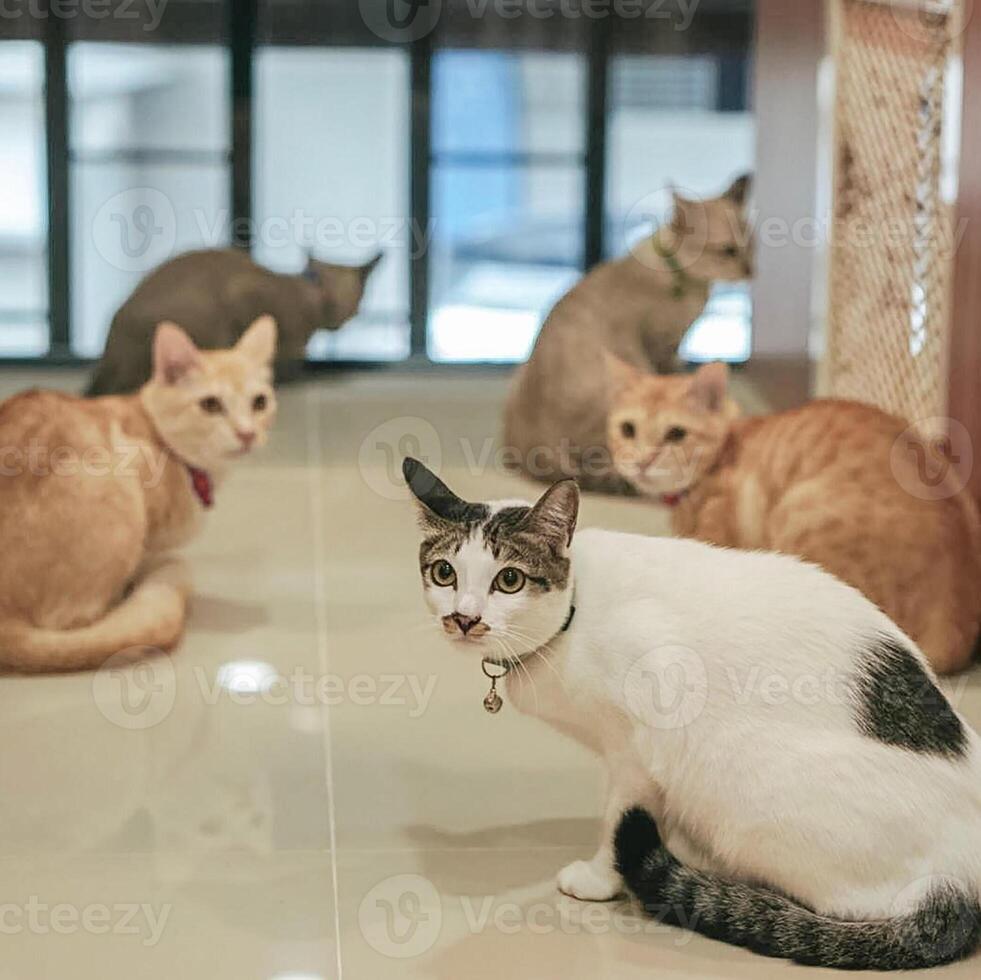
666, 431
211, 407
342, 288
711, 238
496, 576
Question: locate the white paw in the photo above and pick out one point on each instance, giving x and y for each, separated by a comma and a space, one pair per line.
585, 881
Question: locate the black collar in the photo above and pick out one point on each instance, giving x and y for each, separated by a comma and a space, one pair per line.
568, 619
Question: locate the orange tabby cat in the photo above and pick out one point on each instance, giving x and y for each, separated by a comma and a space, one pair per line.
822, 482
94, 493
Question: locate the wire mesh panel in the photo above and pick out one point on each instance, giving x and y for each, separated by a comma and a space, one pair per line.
892, 246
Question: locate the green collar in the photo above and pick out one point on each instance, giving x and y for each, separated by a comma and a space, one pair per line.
681, 280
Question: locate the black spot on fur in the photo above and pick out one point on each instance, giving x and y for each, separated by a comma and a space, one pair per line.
944, 928
897, 703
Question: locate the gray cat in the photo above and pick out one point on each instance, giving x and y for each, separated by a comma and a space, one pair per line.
214, 295
637, 307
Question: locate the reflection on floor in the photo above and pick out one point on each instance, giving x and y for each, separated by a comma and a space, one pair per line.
309, 787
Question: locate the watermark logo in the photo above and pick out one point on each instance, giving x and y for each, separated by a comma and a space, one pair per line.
383, 449
136, 229
400, 21
402, 916
933, 467
688, 217
667, 687
135, 695
931, 21
150, 12
40, 918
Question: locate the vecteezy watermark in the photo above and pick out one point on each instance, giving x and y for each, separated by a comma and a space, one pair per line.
385, 446
136, 229
933, 458
40, 918
136, 460
402, 916
930, 21
150, 12
408, 20
136, 688
140, 695
248, 682
316, 231
666, 687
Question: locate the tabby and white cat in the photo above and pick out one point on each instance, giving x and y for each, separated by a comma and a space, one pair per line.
638, 306
818, 797
830, 482
94, 493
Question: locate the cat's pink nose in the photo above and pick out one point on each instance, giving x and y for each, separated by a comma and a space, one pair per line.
246, 438
466, 623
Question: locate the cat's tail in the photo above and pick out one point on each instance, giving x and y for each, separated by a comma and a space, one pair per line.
946, 926
152, 615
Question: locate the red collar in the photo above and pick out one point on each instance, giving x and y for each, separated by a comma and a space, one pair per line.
673, 499
202, 486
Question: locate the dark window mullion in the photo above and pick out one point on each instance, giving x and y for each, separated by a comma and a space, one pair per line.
243, 20
597, 82
421, 56
58, 187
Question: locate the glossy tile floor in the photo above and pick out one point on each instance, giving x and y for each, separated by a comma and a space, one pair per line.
309, 788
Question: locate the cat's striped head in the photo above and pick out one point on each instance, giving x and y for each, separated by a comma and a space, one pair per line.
496, 575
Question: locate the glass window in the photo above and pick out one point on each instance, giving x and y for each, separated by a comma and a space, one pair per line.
23, 197
332, 176
507, 184
149, 147
665, 130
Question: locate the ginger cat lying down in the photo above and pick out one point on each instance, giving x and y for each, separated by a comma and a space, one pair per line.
95, 493
822, 482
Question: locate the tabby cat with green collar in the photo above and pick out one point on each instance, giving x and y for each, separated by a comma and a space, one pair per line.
784, 772
639, 307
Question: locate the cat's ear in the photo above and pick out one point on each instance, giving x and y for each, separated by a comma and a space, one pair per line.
437, 502
369, 267
258, 343
174, 354
554, 516
684, 213
619, 373
738, 191
709, 386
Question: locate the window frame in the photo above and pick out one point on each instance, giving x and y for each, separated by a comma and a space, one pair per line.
727, 33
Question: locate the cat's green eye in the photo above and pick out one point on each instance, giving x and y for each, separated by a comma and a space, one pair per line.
675, 434
211, 405
628, 429
510, 580
259, 403
443, 574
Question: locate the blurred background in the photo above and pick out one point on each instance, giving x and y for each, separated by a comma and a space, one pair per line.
493, 158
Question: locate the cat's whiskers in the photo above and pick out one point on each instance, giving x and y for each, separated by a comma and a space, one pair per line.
540, 650
515, 660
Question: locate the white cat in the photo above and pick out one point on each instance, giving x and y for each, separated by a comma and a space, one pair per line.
818, 797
